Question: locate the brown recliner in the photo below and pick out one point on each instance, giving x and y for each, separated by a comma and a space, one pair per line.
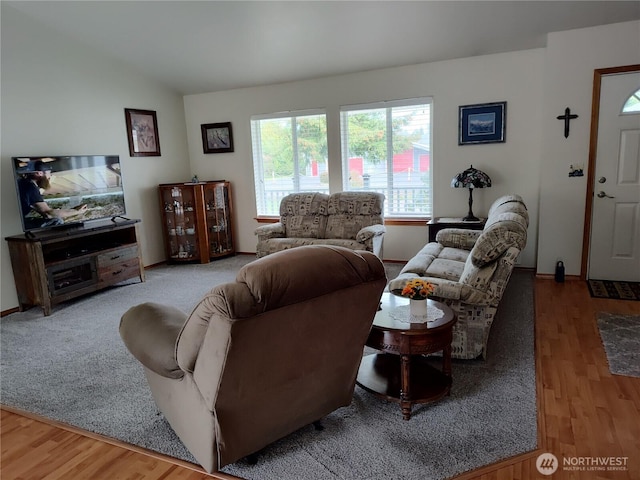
259, 358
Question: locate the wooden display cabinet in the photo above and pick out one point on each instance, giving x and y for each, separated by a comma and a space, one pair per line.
196, 220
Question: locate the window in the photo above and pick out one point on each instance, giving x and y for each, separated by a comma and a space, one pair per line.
386, 147
289, 156
632, 105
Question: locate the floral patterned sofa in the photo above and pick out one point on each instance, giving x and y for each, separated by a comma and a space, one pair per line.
353, 220
470, 270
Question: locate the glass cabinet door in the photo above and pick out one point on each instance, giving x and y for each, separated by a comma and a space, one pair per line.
196, 221
218, 216
178, 203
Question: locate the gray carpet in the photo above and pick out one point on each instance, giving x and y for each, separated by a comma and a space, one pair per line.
73, 367
620, 336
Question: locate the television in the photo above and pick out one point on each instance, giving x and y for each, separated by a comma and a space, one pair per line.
78, 188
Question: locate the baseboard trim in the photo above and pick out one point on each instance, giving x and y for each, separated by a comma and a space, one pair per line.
4, 313
551, 276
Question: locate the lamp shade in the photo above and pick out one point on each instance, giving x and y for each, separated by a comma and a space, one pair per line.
471, 178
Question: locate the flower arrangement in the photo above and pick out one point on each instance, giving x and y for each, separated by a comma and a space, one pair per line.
418, 289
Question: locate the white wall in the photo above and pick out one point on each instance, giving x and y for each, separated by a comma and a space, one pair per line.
513, 166
61, 98
571, 58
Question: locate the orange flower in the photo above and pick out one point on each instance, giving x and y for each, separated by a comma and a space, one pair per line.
418, 289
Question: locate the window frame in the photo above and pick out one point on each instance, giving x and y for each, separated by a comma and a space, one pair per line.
408, 218
256, 147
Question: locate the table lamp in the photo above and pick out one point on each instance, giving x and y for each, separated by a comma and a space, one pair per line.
471, 178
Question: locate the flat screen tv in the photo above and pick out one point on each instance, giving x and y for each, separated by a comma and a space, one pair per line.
67, 191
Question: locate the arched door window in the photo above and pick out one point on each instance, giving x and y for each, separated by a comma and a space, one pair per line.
632, 105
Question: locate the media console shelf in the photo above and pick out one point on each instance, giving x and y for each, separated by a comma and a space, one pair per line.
57, 265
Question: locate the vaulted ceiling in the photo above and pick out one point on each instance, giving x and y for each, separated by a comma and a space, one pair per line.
206, 46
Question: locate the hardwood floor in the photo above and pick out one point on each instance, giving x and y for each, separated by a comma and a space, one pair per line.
584, 412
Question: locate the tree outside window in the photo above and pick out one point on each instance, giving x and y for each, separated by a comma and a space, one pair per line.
387, 148
289, 155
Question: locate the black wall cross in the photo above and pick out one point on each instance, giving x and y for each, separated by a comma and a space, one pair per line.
567, 117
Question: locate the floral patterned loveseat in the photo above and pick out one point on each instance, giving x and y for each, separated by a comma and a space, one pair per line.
353, 220
470, 270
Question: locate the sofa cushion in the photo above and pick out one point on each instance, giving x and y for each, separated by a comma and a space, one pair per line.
277, 244
349, 212
510, 198
305, 226
458, 238
477, 278
447, 269
346, 226
303, 215
419, 263
509, 203
457, 254
356, 203
512, 207
501, 232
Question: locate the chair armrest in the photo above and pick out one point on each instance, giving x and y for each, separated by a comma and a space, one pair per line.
458, 238
367, 233
271, 230
150, 331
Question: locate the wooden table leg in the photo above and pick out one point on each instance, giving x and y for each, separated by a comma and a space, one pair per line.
405, 391
446, 362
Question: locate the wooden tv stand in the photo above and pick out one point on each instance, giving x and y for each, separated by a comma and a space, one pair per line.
54, 266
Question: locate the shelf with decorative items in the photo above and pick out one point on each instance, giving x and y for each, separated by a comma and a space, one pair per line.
197, 220
218, 217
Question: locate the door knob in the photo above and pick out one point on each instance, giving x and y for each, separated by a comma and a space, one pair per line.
601, 194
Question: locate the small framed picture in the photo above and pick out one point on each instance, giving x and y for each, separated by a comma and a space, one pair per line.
142, 133
217, 137
482, 123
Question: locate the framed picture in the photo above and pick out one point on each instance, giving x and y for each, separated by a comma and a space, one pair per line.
482, 123
217, 137
142, 132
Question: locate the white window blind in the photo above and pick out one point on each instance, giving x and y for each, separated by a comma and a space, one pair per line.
386, 147
289, 156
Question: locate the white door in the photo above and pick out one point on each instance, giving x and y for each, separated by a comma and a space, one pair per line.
615, 225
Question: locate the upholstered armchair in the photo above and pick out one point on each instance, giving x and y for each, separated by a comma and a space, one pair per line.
352, 220
470, 270
260, 357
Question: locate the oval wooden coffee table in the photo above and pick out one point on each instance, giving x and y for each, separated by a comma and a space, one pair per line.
400, 372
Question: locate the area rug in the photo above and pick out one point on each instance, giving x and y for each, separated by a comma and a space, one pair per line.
621, 340
73, 367
614, 290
